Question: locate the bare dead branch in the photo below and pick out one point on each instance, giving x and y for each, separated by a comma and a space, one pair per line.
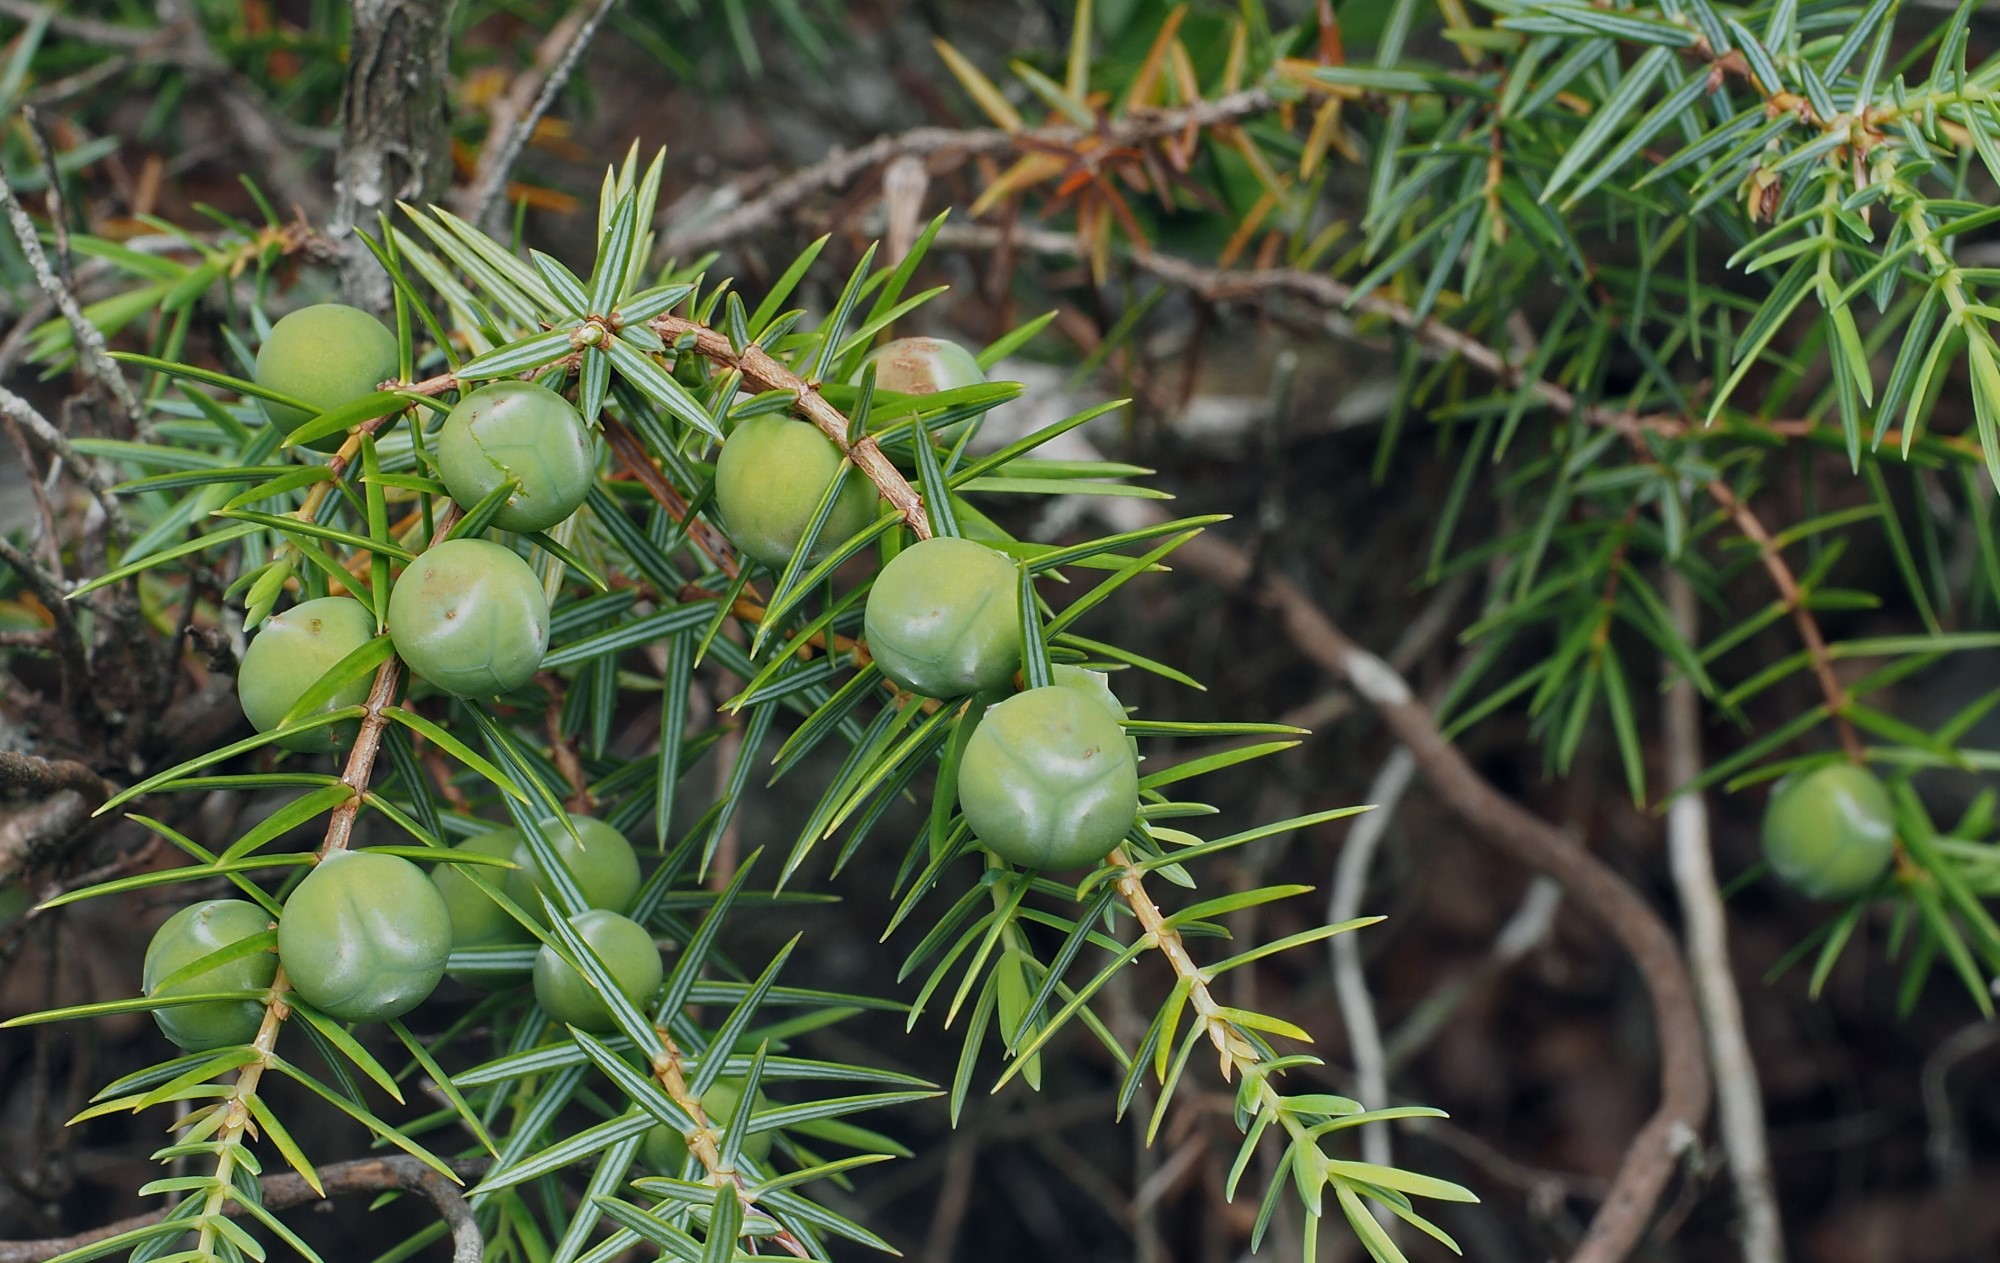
1684, 1089
86, 470
32, 774
97, 363
843, 166
70, 650
556, 58
1654, 1152
60, 794
1350, 983
84, 30
363, 1175
1739, 1100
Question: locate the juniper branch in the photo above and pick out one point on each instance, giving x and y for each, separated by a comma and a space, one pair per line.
701, 1141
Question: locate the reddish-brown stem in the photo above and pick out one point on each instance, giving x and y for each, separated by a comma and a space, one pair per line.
761, 370
701, 1142
1802, 617
361, 760
631, 453
441, 774
563, 751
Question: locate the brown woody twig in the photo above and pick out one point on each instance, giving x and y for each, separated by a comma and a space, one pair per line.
555, 60
843, 166
91, 354
1794, 600
84, 30
70, 650
34, 775
60, 794
766, 373
363, 1175
87, 471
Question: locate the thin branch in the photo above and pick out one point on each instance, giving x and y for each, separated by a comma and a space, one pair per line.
85, 30
1220, 285
701, 1142
556, 59
361, 760
55, 92
32, 774
842, 166
52, 198
1787, 584
1373, 1063
266, 132
281, 1192
90, 348
1739, 1100
60, 794
86, 470
235, 1109
1235, 1051
1350, 982
1653, 1154
562, 751
1944, 1147
70, 650
766, 373
631, 453
47, 539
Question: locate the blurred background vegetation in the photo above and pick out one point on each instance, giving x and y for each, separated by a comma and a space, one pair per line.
1329, 438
